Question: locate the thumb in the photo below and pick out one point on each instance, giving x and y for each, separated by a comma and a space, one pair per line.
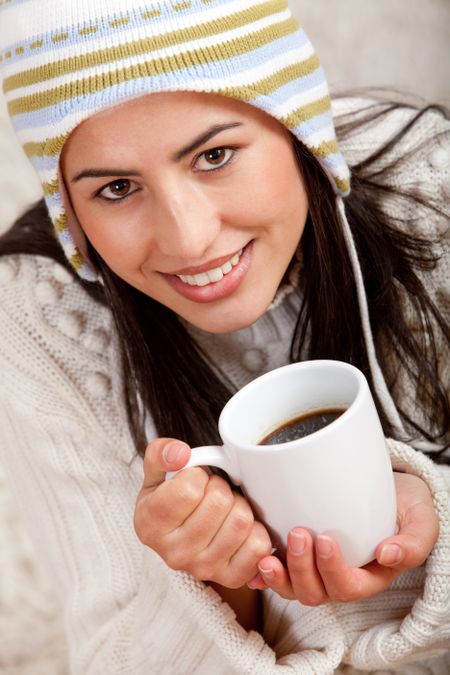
163, 455
418, 532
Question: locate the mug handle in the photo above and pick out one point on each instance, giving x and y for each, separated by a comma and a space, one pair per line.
211, 455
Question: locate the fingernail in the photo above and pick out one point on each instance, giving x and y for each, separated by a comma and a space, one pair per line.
391, 554
324, 546
297, 542
255, 582
172, 452
267, 573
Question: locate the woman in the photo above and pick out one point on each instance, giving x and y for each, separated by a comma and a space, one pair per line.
191, 170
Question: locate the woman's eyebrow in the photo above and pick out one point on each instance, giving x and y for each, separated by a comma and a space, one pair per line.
204, 138
193, 145
103, 173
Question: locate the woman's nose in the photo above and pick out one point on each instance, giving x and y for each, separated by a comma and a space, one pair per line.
185, 223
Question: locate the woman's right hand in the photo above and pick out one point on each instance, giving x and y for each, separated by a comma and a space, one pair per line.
195, 522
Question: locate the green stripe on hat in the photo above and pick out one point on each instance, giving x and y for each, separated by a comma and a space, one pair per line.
168, 64
143, 46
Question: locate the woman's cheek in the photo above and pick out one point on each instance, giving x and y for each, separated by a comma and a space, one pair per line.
280, 186
116, 234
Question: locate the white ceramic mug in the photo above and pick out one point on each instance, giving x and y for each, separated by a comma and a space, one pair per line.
336, 481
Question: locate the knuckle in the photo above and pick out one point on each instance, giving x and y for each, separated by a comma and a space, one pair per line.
190, 489
260, 544
219, 494
205, 567
157, 512
242, 520
241, 523
177, 560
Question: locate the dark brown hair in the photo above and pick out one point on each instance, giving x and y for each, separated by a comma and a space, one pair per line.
165, 369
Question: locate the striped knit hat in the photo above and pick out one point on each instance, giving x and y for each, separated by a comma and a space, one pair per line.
61, 62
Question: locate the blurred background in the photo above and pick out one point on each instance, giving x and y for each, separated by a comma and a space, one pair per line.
403, 44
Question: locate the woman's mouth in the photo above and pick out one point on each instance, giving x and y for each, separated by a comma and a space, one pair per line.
215, 283
211, 276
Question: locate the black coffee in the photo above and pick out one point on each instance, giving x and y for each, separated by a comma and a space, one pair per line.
302, 426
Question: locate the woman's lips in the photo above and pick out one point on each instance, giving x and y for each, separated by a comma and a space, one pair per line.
216, 290
218, 262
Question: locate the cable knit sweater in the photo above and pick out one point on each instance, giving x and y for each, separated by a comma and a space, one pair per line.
65, 443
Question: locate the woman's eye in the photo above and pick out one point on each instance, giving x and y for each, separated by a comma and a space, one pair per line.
118, 189
214, 159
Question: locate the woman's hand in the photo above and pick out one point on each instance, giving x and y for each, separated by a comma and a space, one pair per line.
195, 522
316, 572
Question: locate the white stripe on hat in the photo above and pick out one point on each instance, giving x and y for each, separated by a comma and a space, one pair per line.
90, 11
239, 78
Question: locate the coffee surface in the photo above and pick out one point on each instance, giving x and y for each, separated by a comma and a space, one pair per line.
302, 426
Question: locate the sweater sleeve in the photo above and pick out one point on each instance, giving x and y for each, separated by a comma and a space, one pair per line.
408, 623
66, 449
416, 625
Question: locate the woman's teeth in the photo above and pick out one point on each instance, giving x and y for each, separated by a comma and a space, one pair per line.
211, 276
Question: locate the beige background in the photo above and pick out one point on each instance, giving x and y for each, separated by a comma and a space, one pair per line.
400, 43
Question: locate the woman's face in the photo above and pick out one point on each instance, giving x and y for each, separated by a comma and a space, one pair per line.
194, 199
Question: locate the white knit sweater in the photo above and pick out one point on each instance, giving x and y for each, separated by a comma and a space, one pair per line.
65, 443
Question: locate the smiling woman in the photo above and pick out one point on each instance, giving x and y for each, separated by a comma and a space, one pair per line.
179, 213
194, 180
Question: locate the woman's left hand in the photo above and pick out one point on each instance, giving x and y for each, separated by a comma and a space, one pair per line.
316, 572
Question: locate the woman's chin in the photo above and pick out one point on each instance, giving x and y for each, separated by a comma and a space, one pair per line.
229, 320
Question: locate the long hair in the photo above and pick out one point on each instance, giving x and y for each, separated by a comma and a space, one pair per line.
165, 370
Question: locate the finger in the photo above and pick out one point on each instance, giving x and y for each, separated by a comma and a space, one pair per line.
165, 508
198, 529
276, 577
244, 563
418, 531
235, 529
163, 455
257, 583
344, 583
418, 525
306, 581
